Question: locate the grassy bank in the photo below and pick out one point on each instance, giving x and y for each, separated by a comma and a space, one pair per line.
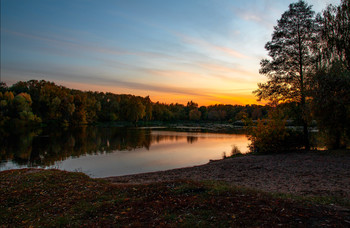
56, 198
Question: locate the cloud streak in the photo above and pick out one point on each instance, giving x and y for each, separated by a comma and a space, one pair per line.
217, 68
204, 44
104, 81
92, 48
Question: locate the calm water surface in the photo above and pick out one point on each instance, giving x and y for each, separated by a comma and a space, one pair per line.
101, 152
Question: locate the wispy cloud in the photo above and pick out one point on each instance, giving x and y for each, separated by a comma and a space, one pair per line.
232, 71
255, 16
90, 79
204, 44
153, 87
83, 46
176, 74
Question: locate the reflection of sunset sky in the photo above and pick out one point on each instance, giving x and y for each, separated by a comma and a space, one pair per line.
174, 51
168, 153
168, 138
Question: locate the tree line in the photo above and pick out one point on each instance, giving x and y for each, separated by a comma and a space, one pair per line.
309, 70
43, 101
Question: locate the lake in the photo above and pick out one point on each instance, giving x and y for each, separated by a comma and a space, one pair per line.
115, 151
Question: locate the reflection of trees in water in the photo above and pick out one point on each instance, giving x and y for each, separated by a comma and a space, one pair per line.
160, 138
45, 146
192, 139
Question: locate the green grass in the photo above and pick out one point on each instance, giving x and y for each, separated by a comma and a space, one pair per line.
42, 198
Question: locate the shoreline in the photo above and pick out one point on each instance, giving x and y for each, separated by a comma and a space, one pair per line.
304, 174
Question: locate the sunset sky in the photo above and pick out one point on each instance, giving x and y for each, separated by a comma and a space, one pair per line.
207, 51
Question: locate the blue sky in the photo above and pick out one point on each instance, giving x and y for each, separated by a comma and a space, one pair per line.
174, 51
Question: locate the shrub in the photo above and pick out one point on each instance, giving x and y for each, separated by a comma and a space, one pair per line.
272, 136
235, 151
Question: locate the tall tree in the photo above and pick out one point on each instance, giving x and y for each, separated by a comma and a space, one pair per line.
331, 93
335, 34
291, 58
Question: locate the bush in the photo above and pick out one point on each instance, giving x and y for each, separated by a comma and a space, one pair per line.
272, 136
235, 151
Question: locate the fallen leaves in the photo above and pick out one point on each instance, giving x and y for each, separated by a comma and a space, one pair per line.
57, 198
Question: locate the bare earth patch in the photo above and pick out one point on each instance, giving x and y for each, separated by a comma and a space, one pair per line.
305, 174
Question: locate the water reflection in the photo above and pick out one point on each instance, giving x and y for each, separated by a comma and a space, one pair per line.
105, 151
44, 147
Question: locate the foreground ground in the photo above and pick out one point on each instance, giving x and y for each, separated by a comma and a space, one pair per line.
305, 174
32, 197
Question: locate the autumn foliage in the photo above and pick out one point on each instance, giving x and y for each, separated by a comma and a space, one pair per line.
272, 136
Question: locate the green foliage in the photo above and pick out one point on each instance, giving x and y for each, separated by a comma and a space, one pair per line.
134, 110
21, 103
17, 108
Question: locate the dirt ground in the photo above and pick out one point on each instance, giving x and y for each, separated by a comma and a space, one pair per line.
298, 173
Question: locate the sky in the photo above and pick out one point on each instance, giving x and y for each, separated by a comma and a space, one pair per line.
174, 51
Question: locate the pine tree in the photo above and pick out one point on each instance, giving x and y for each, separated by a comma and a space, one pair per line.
292, 58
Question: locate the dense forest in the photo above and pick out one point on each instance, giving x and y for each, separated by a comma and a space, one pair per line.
42, 101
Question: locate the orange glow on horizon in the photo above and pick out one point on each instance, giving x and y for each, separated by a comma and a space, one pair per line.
204, 99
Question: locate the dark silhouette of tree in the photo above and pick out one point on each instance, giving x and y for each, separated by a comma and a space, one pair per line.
195, 114
3, 87
291, 59
335, 35
134, 110
331, 101
148, 110
204, 112
178, 111
331, 104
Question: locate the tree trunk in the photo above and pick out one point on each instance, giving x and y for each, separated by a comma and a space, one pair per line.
306, 135
302, 91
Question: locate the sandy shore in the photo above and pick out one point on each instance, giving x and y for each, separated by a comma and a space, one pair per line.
297, 173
